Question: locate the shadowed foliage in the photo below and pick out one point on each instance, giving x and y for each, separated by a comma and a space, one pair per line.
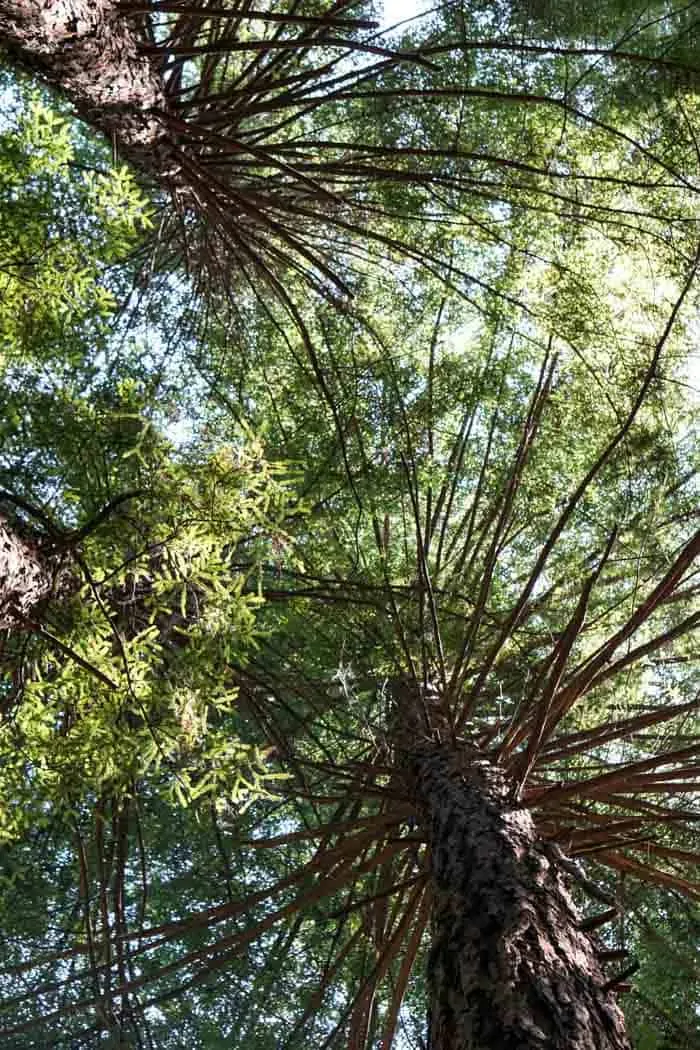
446, 598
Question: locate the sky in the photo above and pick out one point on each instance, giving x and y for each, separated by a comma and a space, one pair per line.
397, 10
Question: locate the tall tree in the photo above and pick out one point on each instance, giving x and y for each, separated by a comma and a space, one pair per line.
289, 137
474, 656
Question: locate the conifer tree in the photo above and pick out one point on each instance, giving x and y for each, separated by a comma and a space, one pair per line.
420, 672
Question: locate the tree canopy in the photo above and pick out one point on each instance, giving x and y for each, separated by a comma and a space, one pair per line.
348, 402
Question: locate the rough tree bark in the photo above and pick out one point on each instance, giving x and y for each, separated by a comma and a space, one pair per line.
25, 580
88, 49
185, 103
104, 56
509, 968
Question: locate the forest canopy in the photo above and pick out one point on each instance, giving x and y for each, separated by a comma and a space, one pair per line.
349, 540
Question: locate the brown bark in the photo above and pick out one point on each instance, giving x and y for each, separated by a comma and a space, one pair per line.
25, 580
509, 968
211, 145
105, 61
89, 50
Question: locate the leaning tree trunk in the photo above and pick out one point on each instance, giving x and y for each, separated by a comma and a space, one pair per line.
25, 578
89, 50
509, 968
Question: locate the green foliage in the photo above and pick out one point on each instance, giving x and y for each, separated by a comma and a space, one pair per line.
138, 682
62, 226
262, 511
129, 676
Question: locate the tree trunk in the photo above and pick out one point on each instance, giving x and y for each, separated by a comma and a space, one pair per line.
89, 50
24, 578
509, 967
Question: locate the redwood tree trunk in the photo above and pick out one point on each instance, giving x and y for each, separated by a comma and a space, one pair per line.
89, 50
25, 580
509, 967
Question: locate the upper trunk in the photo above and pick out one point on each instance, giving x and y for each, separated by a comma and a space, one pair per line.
87, 48
25, 579
509, 968
205, 112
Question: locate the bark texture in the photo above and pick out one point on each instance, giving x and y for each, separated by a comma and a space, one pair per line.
24, 578
89, 50
509, 968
